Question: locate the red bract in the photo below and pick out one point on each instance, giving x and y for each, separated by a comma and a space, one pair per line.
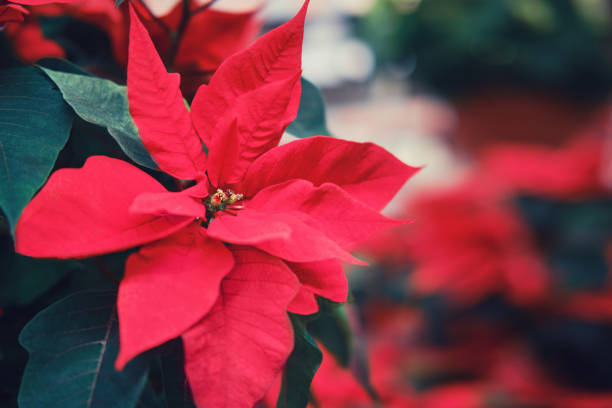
29, 39
469, 243
11, 13
261, 231
572, 171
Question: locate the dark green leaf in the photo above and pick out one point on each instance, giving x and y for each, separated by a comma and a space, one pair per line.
8, 60
176, 388
301, 367
359, 364
310, 119
168, 386
13, 357
339, 332
62, 65
149, 399
103, 103
118, 2
23, 279
34, 126
332, 329
73, 345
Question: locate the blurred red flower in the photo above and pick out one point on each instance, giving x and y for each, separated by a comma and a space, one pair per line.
573, 171
10, 13
468, 243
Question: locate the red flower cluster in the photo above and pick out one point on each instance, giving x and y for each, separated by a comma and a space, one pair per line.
467, 242
470, 241
261, 231
497, 307
487, 367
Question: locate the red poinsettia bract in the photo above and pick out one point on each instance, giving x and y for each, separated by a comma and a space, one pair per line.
535, 169
261, 231
470, 243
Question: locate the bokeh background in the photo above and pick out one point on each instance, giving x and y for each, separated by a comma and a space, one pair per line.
498, 294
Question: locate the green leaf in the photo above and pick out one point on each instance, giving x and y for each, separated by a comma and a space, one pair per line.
34, 126
342, 336
310, 120
118, 2
301, 367
168, 386
73, 345
23, 279
332, 329
103, 102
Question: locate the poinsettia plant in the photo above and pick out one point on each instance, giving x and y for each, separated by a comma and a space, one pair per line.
218, 246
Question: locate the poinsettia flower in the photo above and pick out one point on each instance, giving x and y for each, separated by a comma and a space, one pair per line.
470, 243
262, 230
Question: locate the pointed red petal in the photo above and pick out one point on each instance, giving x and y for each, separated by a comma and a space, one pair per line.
261, 87
327, 208
275, 56
247, 228
261, 118
304, 302
364, 170
233, 355
168, 287
84, 212
168, 203
281, 234
158, 109
223, 154
324, 278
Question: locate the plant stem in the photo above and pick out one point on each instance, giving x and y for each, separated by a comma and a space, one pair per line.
176, 36
157, 20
